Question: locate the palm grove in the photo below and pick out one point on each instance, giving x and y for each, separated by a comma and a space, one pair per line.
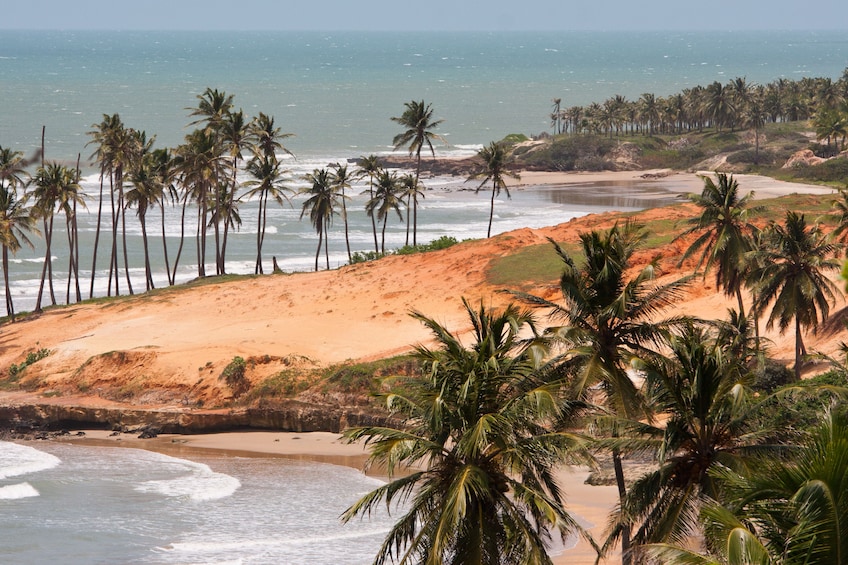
612, 374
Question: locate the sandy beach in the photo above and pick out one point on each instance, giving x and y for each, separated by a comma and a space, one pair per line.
589, 504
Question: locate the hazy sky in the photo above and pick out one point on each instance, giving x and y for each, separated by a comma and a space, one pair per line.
449, 15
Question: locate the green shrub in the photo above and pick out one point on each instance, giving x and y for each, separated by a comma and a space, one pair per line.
32, 357
234, 375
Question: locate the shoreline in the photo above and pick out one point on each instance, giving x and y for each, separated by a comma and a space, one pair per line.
590, 505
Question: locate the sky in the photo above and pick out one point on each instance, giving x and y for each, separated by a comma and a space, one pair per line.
426, 15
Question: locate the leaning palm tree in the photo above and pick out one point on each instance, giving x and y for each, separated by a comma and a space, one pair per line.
724, 233
474, 429
321, 207
386, 198
419, 123
16, 220
609, 319
266, 183
493, 168
791, 276
370, 167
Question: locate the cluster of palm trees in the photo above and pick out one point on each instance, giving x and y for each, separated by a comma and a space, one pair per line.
485, 427
735, 104
206, 174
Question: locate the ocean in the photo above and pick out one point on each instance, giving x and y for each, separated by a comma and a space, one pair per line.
336, 92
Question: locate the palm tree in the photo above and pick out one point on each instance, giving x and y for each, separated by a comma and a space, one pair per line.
320, 205
725, 234
235, 136
493, 168
267, 183
147, 191
370, 167
474, 429
701, 387
212, 108
200, 166
719, 104
409, 190
341, 179
791, 275
16, 220
780, 511
386, 198
55, 185
266, 137
608, 321
419, 123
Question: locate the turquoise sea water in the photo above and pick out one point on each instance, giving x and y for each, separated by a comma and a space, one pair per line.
336, 92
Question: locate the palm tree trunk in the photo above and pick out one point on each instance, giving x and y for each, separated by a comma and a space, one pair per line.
383, 238
122, 207
347, 237
626, 559
148, 275
799, 348
260, 233
373, 222
320, 241
10, 308
96, 236
182, 240
47, 237
327, 247
491, 211
165, 246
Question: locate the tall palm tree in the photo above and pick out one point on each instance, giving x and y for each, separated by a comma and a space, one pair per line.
212, 108
791, 275
341, 180
101, 136
609, 320
475, 431
419, 123
493, 167
266, 183
16, 220
700, 384
147, 191
55, 186
370, 167
321, 207
386, 198
201, 167
235, 137
725, 234
266, 138
410, 190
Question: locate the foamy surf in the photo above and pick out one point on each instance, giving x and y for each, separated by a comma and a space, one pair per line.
199, 483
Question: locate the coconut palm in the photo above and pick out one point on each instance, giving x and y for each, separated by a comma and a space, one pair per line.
147, 190
200, 167
790, 275
725, 234
493, 168
474, 429
16, 220
387, 197
102, 136
235, 137
700, 384
370, 167
266, 138
609, 320
410, 190
341, 179
321, 207
55, 186
781, 511
419, 123
266, 183
212, 109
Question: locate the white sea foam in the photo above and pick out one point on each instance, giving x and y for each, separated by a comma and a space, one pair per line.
199, 483
20, 490
17, 460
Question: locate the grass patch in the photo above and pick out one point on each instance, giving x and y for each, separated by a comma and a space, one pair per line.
367, 377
